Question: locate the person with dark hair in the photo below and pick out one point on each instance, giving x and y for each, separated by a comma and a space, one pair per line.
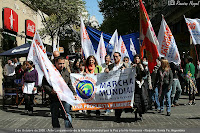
76, 66
126, 59
176, 86
127, 62
92, 67
107, 62
54, 101
155, 84
191, 82
141, 94
82, 67
29, 88
148, 83
113, 67
104, 66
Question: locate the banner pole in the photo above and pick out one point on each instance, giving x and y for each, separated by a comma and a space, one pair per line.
196, 52
64, 111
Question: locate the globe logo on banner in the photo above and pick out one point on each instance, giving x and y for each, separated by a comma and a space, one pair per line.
85, 89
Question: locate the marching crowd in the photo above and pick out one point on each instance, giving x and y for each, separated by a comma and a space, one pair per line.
167, 82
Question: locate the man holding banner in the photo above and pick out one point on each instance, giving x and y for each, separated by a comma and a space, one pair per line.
55, 104
115, 66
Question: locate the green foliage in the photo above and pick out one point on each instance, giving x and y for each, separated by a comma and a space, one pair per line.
62, 16
122, 15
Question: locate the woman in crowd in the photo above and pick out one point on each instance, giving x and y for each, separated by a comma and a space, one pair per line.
92, 67
191, 82
155, 86
29, 88
165, 80
147, 83
82, 67
141, 94
76, 66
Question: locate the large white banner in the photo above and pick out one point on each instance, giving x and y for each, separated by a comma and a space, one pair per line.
46, 68
194, 29
167, 46
86, 43
113, 90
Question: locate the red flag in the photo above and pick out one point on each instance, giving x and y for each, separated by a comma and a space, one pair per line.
150, 41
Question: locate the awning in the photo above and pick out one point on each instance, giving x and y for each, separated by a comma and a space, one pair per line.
21, 51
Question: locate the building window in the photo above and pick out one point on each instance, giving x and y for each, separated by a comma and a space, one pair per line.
9, 41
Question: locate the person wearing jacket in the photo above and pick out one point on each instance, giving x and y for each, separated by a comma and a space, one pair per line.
54, 101
141, 93
29, 88
176, 86
165, 80
155, 85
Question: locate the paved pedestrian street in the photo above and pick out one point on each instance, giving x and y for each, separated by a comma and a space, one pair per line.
182, 117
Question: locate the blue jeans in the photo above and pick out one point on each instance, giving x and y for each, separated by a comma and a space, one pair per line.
165, 94
157, 98
55, 114
176, 91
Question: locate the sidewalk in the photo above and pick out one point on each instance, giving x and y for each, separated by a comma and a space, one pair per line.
183, 116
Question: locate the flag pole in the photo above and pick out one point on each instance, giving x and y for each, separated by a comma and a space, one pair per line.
196, 52
140, 30
66, 115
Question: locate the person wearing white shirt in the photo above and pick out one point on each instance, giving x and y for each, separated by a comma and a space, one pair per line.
112, 67
9, 74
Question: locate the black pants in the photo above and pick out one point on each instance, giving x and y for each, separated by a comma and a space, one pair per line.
97, 112
198, 85
118, 113
9, 81
28, 98
192, 97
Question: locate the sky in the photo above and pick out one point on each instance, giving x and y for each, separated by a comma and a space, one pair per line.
93, 9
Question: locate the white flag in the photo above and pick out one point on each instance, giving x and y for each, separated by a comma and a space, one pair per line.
132, 47
114, 42
86, 42
40, 59
194, 29
167, 46
38, 41
101, 51
114, 38
122, 49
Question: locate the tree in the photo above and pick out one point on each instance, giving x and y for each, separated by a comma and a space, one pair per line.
62, 16
122, 15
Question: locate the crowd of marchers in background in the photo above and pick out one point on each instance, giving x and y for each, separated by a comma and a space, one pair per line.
165, 84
